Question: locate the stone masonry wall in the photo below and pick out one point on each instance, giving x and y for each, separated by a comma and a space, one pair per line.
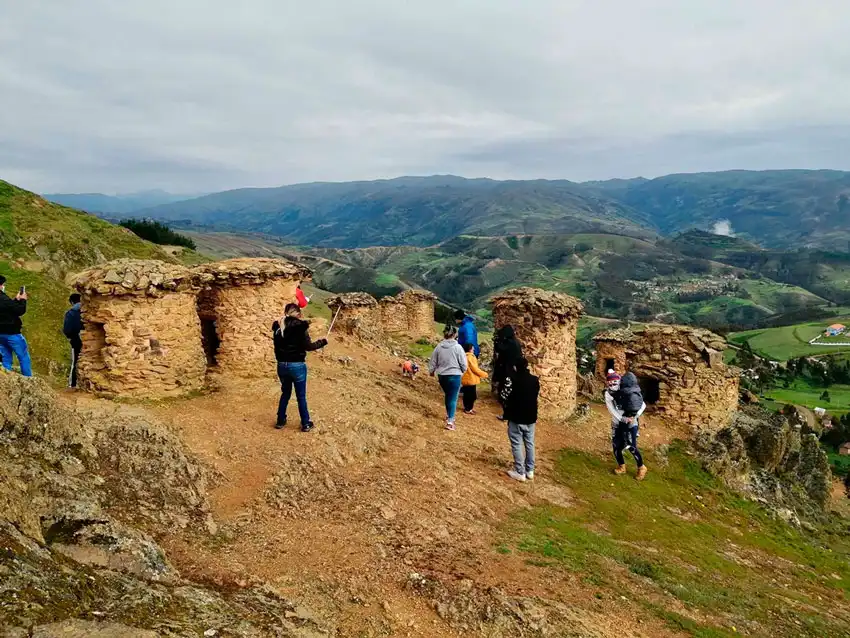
141, 346
393, 316
610, 350
419, 310
356, 313
694, 385
545, 324
244, 316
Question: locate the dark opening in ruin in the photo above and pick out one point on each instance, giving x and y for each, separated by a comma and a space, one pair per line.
651, 390
609, 364
210, 340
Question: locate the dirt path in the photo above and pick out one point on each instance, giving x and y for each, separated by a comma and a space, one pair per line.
342, 516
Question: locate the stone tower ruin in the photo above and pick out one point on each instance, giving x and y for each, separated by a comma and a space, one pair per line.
545, 323
153, 329
238, 300
141, 332
680, 370
409, 313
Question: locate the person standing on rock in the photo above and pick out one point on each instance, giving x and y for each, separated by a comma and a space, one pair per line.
12, 342
521, 396
291, 345
625, 403
448, 364
467, 333
71, 327
507, 352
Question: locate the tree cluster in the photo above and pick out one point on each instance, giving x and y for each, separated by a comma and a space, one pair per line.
157, 232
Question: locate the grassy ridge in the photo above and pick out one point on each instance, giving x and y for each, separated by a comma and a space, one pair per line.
790, 342
40, 243
689, 550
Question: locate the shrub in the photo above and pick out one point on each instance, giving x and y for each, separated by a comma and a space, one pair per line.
157, 232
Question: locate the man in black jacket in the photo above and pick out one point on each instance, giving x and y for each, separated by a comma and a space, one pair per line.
72, 327
521, 415
11, 339
291, 345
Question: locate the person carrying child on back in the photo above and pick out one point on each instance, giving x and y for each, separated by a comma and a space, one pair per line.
470, 380
624, 401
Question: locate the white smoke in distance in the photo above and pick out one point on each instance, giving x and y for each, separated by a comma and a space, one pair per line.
723, 227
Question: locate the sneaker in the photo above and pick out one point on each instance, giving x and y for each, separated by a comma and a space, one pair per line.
450, 425
530, 475
470, 412
516, 475
642, 470
620, 469
280, 426
307, 427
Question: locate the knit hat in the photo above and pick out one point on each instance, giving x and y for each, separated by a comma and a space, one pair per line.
612, 376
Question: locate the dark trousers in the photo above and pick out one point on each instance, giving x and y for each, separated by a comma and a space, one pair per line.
292, 374
469, 394
76, 348
624, 436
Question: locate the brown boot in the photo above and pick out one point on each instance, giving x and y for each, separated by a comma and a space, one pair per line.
620, 469
642, 470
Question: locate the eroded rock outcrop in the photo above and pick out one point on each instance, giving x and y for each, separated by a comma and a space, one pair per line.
770, 457
78, 497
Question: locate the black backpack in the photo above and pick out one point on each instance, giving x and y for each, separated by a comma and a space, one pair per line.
629, 398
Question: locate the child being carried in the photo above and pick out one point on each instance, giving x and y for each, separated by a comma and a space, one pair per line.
625, 403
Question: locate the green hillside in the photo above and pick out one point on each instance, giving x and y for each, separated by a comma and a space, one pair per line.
790, 342
783, 209
40, 243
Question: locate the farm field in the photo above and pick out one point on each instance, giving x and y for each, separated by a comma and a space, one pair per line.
801, 393
790, 342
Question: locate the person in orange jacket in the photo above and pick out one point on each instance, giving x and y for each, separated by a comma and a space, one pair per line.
470, 380
302, 299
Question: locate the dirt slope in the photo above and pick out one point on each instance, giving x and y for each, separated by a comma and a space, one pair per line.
380, 521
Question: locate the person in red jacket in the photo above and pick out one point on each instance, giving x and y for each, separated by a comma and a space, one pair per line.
302, 299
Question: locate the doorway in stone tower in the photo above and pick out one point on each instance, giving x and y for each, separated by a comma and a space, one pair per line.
650, 389
209, 327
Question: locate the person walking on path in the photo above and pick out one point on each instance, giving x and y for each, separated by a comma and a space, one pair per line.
470, 380
521, 415
448, 364
12, 342
625, 404
71, 327
291, 345
467, 333
507, 352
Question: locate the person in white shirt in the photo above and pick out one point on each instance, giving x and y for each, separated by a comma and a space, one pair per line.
625, 404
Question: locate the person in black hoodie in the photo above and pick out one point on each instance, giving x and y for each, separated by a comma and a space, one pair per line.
291, 345
507, 351
71, 327
521, 415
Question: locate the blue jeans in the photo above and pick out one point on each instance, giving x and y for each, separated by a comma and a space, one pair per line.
292, 374
522, 446
450, 383
18, 345
624, 436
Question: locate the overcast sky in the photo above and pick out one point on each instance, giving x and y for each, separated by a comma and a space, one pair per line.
206, 95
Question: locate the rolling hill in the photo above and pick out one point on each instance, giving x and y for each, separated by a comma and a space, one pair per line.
777, 209
40, 243
114, 205
417, 211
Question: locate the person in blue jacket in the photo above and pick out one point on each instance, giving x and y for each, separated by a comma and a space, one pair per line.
467, 332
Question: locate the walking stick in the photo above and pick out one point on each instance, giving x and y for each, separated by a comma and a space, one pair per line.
333, 322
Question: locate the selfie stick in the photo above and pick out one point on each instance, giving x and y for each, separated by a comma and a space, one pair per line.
333, 322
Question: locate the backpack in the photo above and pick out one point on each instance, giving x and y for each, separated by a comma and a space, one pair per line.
629, 398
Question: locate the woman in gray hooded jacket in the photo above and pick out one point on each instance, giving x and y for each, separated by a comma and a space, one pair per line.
448, 363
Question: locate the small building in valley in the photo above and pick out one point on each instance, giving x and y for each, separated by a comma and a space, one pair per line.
835, 330
680, 369
545, 323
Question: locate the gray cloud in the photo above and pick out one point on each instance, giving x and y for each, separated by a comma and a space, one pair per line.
202, 95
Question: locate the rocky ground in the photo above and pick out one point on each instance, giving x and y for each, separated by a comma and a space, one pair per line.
196, 515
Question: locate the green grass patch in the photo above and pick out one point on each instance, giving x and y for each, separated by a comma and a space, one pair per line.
790, 342
802, 393
681, 533
840, 463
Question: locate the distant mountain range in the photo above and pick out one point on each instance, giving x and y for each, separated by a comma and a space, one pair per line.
776, 209
114, 205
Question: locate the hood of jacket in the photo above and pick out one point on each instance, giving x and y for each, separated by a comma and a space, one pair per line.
466, 320
629, 382
295, 324
505, 333
447, 344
